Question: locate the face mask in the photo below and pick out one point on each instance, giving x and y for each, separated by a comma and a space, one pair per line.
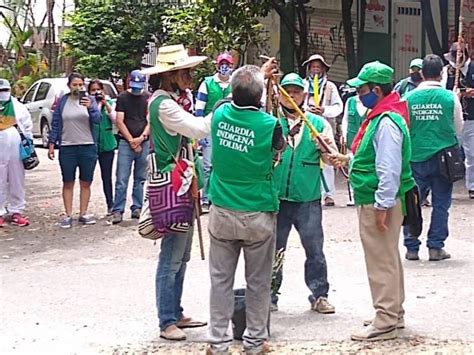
224, 69
369, 100
5, 96
136, 91
415, 77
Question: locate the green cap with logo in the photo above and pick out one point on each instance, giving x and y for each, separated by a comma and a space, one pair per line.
373, 72
417, 63
292, 79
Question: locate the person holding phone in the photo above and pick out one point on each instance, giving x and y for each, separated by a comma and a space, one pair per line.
72, 131
106, 141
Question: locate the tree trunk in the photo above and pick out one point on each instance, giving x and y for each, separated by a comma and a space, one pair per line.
302, 48
349, 37
360, 33
428, 23
443, 9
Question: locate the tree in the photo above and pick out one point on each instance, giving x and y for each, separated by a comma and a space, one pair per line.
111, 36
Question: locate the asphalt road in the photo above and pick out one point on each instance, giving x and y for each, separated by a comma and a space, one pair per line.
90, 289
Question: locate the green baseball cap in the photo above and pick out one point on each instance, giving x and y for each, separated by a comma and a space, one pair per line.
417, 62
292, 79
373, 72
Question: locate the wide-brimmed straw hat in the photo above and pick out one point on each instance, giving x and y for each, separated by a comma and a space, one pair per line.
451, 56
173, 57
317, 57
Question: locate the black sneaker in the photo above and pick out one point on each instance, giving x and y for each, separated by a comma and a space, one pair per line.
205, 208
412, 255
136, 213
471, 194
116, 217
438, 254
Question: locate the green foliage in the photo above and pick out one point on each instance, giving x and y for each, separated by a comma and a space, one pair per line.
214, 25
111, 36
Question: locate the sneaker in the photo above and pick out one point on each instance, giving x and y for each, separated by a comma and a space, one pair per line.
2, 221
412, 255
471, 194
117, 217
66, 223
136, 213
273, 307
329, 202
350, 204
205, 208
321, 305
109, 212
438, 254
400, 323
370, 333
19, 220
87, 219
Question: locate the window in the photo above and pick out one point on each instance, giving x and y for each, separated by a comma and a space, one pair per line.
110, 91
42, 91
29, 95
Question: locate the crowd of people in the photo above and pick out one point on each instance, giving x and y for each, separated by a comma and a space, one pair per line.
263, 173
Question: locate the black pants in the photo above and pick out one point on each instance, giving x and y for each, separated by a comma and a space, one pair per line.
106, 160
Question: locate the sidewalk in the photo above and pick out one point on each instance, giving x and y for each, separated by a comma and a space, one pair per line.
91, 289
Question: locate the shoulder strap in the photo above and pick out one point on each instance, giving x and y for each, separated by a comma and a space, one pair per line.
22, 136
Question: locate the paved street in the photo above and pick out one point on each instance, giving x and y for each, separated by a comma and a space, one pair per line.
91, 289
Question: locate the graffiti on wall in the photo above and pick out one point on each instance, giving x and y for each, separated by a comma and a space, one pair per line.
326, 37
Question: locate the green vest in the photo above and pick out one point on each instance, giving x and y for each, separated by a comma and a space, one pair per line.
363, 176
298, 175
214, 93
354, 121
166, 146
105, 138
242, 160
431, 122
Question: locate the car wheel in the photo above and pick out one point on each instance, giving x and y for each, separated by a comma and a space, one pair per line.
44, 134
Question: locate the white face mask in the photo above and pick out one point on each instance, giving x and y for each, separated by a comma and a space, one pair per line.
5, 96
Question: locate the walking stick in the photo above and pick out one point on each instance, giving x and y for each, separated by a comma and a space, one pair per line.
460, 49
196, 199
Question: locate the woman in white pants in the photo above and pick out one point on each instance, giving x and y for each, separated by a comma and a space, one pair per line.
12, 173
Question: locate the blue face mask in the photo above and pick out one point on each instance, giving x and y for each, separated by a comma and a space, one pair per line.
224, 69
369, 100
136, 91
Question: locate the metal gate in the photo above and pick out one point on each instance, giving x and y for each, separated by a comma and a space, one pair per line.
407, 36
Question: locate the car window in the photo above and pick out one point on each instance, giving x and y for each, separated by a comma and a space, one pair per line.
29, 95
109, 91
42, 91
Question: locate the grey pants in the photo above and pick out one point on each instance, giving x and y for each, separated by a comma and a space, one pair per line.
231, 231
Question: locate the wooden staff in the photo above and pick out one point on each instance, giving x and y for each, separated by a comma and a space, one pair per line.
195, 197
460, 49
313, 131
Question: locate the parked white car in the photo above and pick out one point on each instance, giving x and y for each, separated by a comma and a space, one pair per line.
41, 97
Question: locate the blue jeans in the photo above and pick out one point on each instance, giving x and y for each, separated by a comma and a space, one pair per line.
175, 252
206, 162
428, 177
307, 219
127, 157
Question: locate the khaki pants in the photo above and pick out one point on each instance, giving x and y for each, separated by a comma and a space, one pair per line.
384, 267
255, 234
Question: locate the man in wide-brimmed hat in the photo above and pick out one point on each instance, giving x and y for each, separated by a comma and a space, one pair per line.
466, 87
171, 123
329, 106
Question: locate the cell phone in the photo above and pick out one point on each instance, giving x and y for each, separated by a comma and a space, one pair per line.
82, 94
462, 89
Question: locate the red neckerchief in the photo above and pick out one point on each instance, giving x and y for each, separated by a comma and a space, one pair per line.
184, 101
390, 103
